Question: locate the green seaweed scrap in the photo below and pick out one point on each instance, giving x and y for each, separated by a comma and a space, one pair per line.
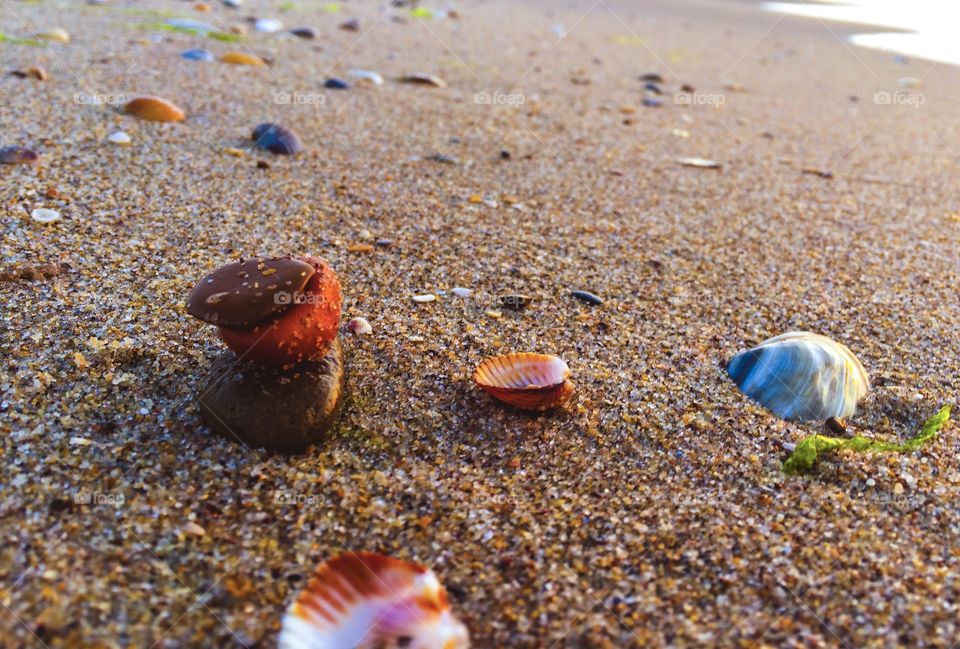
164, 27
805, 455
13, 40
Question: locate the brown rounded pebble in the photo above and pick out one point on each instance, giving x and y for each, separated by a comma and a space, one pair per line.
281, 410
246, 292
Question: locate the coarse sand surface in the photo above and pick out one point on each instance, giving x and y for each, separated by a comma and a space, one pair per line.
651, 510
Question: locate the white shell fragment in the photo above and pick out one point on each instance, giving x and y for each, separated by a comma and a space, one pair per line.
460, 291
702, 163
119, 138
44, 215
426, 297
801, 376
367, 75
359, 327
267, 25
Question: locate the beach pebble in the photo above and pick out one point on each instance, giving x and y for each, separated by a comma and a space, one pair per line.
423, 299
18, 155
423, 79
306, 33
54, 34
197, 54
587, 297
650, 102
44, 215
351, 25
282, 410
652, 77
651, 87
277, 139
367, 75
233, 4
384, 243
119, 138
459, 291
267, 25
336, 84
359, 326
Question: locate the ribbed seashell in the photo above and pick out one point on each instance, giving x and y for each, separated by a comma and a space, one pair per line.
368, 601
525, 380
154, 109
801, 376
276, 138
242, 58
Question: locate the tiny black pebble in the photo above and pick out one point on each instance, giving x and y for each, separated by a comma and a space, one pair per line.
587, 297
336, 84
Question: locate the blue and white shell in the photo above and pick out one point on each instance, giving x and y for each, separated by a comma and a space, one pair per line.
801, 376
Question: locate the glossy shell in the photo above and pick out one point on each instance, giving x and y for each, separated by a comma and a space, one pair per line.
242, 58
277, 139
524, 380
801, 376
367, 601
302, 332
154, 109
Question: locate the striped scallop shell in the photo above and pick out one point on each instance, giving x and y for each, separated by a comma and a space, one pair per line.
801, 376
370, 601
525, 380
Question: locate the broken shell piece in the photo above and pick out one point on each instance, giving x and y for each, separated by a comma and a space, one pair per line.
154, 109
367, 600
801, 376
525, 380
119, 138
277, 139
359, 326
424, 79
18, 155
35, 72
367, 75
242, 58
702, 163
45, 215
55, 34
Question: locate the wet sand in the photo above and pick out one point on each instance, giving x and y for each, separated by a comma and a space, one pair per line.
651, 511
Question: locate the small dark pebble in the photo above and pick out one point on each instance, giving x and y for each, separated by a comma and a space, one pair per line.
308, 33
277, 139
650, 102
687, 88
351, 25
443, 158
651, 87
504, 155
263, 164
336, 84
587, 297
837, 427
384, 243
652, 76
18, 155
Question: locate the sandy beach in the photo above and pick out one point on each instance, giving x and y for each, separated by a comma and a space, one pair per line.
650, 511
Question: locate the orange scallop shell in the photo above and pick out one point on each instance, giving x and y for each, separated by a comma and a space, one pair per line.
366, 601
154, 109
242, 58
525, 380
